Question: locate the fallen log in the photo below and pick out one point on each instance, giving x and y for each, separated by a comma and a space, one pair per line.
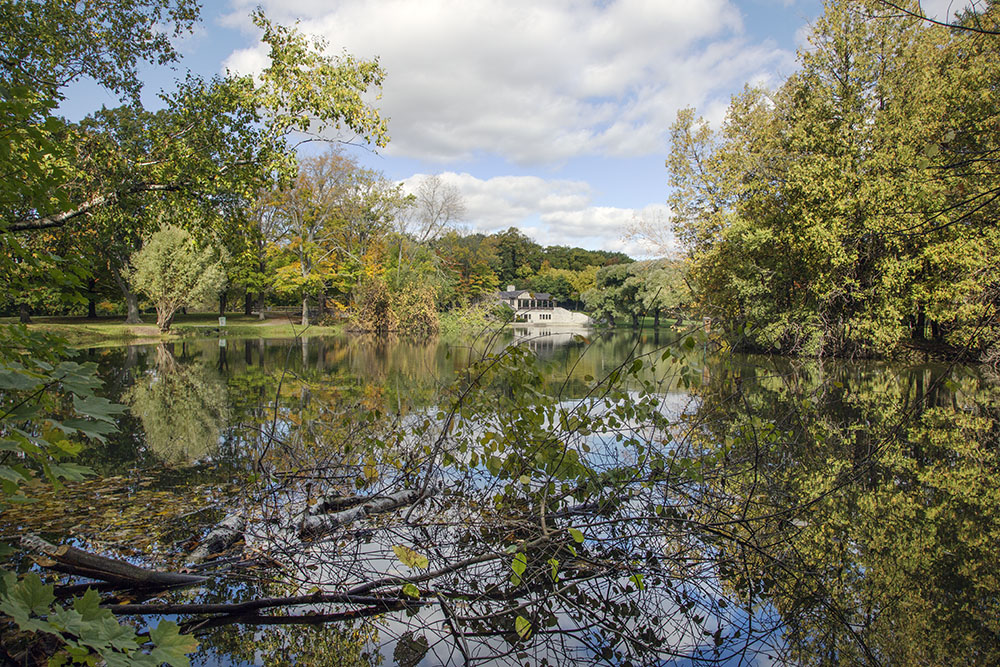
333, 503
226, 533
82, 563
319, 524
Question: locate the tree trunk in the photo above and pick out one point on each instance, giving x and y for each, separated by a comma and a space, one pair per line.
224, 535
120, 573
248, 304
921, 324
91, 300
25, 313
656, 318
305, 311
223, 302
131, 299
260, 306
163, 319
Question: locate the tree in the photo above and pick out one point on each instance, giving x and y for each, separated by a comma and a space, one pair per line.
835, 214
519, 256
436, 207
182, 409
231, 132
333, 221
174, 273
470, 262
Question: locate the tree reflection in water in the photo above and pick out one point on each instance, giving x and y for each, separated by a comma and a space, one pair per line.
182, 408
668, 509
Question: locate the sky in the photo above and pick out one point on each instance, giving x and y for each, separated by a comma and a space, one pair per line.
551, 116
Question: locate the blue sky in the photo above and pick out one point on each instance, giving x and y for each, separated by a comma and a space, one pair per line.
551, 116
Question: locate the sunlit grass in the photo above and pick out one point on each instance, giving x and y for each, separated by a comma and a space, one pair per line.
106, 331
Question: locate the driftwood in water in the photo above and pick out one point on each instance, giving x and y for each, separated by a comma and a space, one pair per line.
320, 524
123, 575
335, 503
225, 534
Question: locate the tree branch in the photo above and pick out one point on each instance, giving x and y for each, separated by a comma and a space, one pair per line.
60, 219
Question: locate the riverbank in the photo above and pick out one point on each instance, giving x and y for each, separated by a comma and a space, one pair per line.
105, 331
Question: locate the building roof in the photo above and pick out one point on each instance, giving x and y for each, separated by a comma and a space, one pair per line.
518, 292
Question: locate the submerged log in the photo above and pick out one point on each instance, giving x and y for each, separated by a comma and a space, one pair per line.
71, 560
224, 535
319, 524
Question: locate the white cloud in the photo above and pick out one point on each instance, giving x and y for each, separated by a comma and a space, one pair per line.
534, 82
943, 10
552, 212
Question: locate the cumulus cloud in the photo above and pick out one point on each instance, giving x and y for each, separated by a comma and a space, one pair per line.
534, 82
550, 211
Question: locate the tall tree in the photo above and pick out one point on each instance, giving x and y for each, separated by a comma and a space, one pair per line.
816, 219
334, 221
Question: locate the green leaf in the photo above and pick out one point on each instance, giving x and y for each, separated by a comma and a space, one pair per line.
31, 595
171, 646
522, 626
12, 475
519, 564
410, 558
97, 407
412, 591
88, 605
576, 535
18, 380
71, 471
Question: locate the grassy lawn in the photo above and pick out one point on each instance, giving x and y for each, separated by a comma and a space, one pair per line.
81, 332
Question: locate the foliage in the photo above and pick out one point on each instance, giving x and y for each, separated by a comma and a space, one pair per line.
841, 214
332, 224
471, 263
173, 272
634, 290
49, 406
409, 310
88, 631
474, 320
875, 490
50, 44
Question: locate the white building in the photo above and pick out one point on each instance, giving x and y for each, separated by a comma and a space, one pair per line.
540, 308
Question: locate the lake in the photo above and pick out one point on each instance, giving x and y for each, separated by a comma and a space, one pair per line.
538, 497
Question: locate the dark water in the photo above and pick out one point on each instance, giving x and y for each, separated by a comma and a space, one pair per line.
724, 509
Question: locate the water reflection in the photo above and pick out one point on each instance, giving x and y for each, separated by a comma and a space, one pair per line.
728, 508
182, 408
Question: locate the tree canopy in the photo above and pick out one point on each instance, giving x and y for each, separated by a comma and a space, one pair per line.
850, 209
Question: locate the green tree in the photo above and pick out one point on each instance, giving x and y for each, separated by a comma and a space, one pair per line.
334, 222
816, 221
519, 256
174, 273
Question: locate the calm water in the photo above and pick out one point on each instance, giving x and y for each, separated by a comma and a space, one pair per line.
724, 509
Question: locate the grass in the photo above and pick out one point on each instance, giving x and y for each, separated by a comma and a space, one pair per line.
106, 331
